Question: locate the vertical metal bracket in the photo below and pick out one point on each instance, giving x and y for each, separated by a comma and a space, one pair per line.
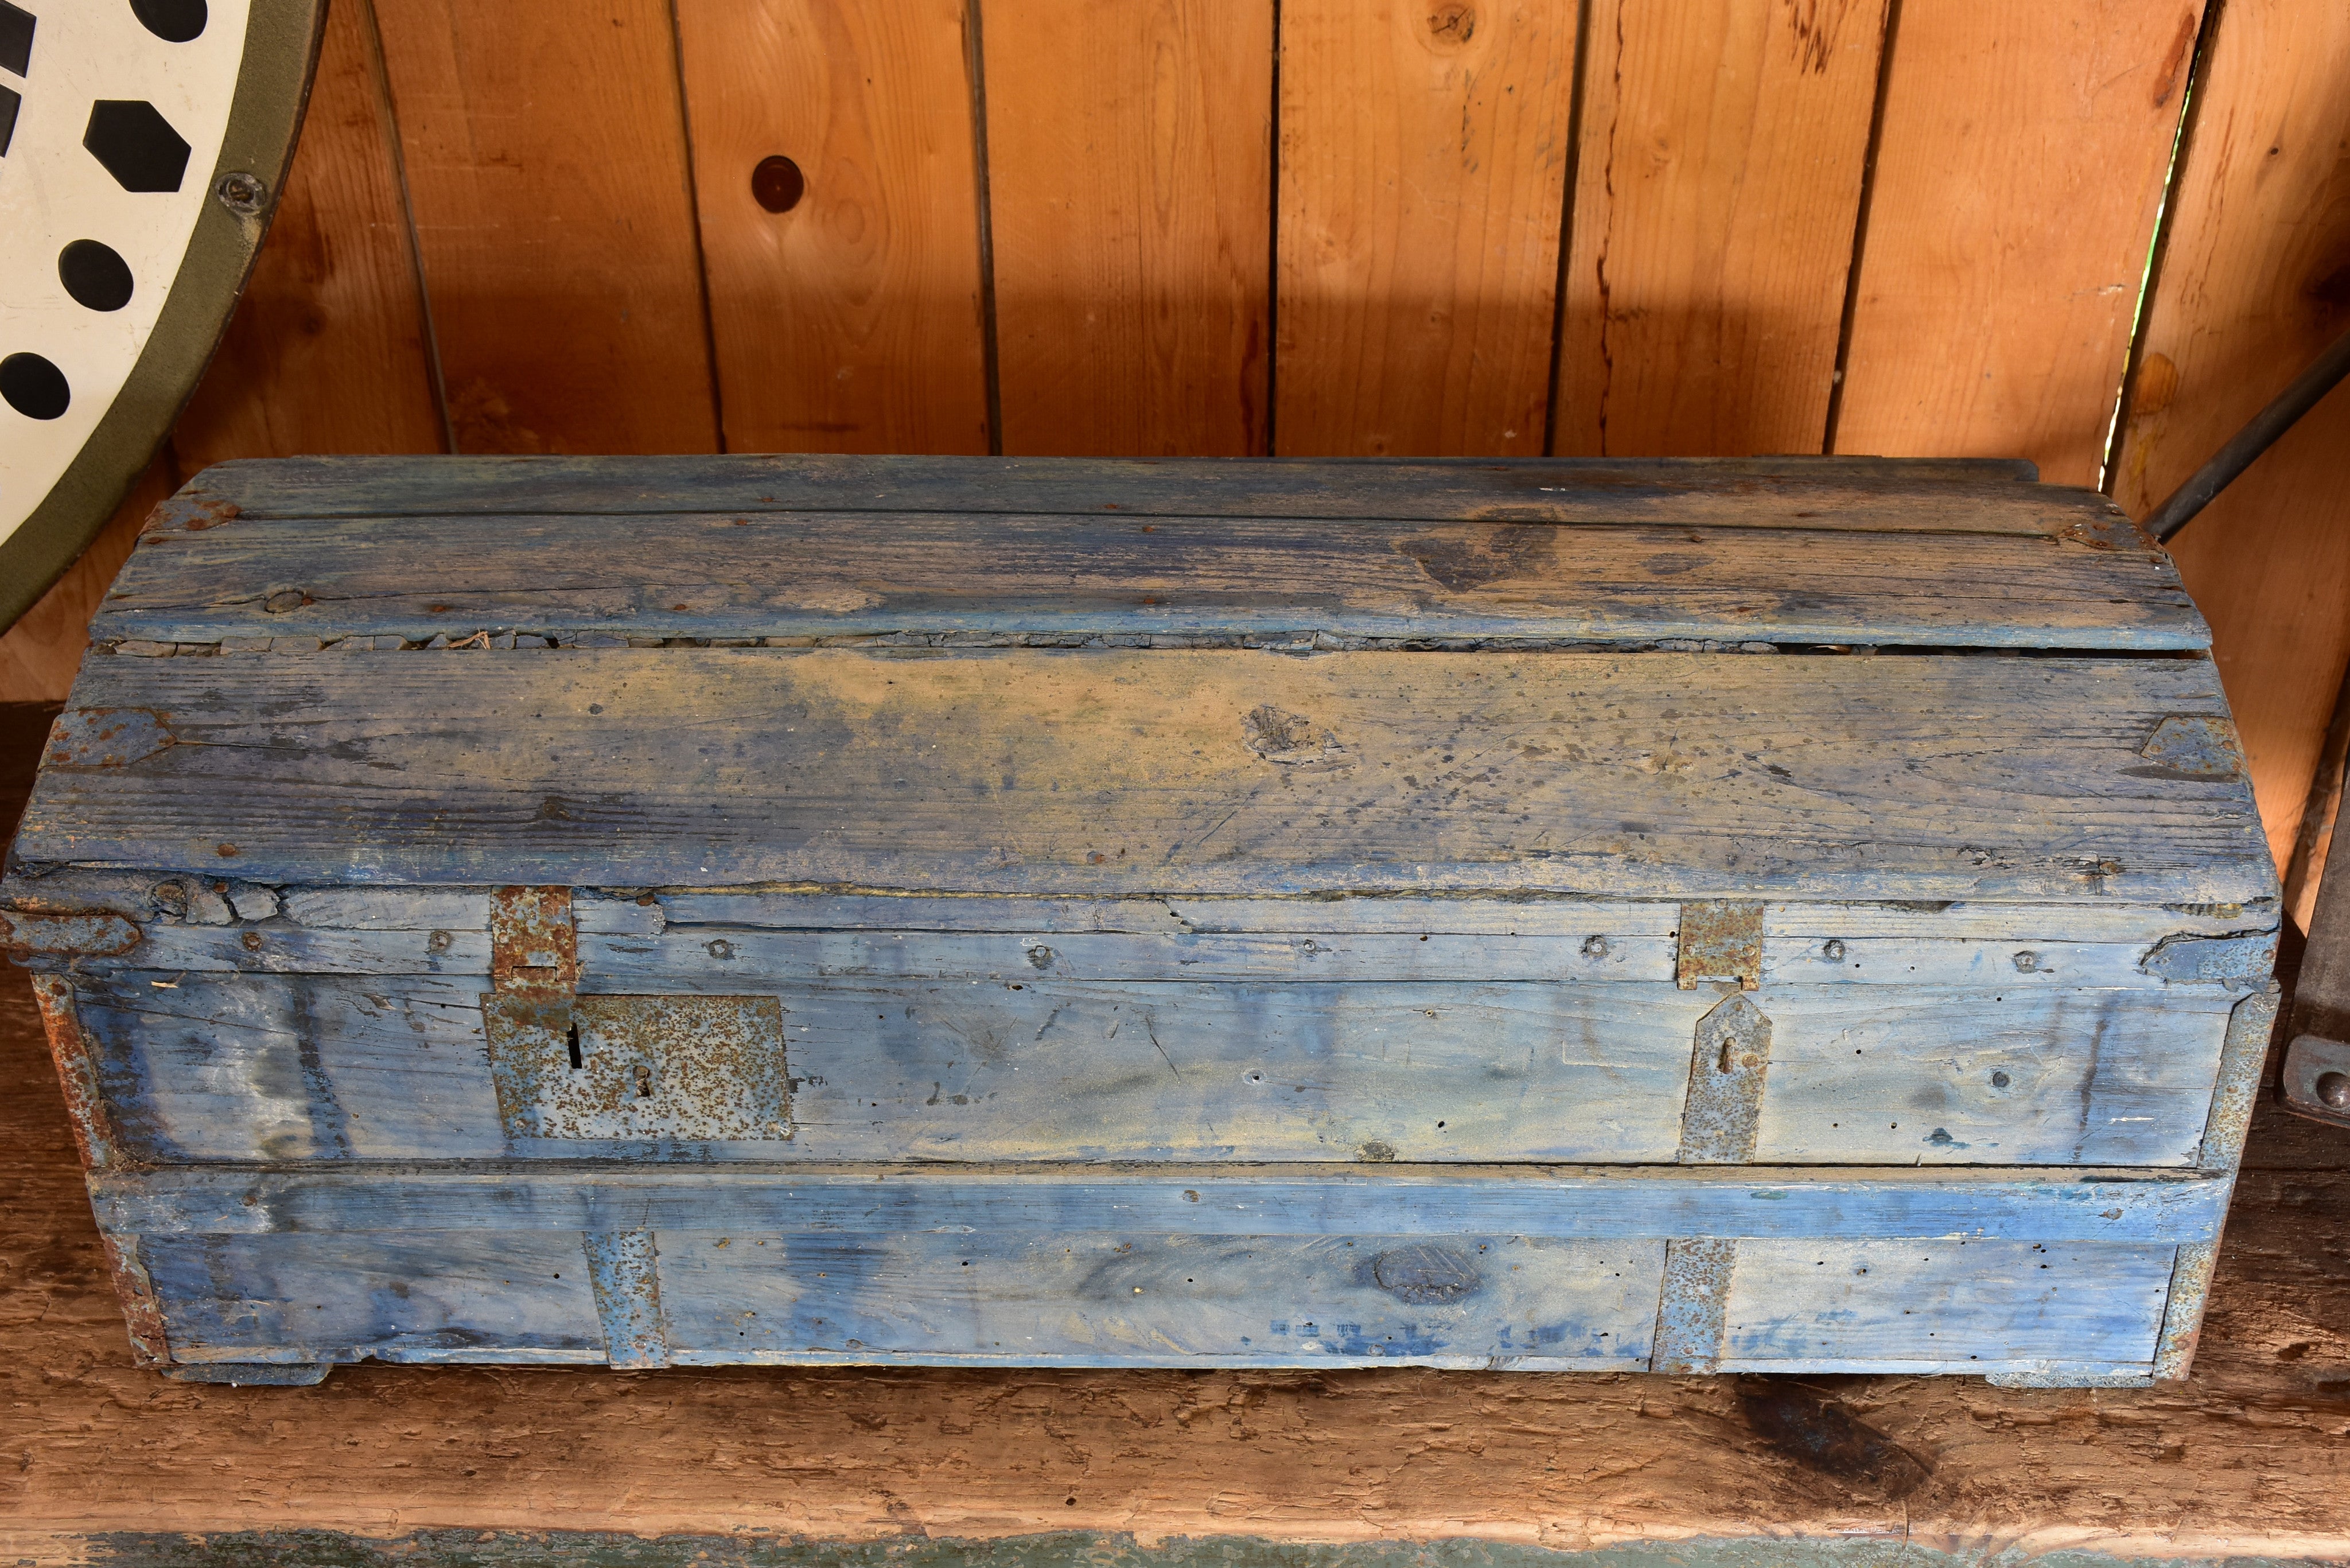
94, 1135
1719, 942
1693, 1309
533, 945
624, 1266
77, 1072
2243, 1051
1723, 1113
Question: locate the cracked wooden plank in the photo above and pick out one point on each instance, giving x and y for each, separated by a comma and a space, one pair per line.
838, 574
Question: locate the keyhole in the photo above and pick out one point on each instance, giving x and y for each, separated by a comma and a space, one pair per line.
576, 1062
644, 1082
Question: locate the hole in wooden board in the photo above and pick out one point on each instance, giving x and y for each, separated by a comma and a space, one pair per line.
777, 183
577, 1061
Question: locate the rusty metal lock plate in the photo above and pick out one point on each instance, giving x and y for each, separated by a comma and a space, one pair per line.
690, 1067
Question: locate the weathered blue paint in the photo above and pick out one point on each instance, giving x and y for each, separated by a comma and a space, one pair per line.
1592, 1202
1131, 771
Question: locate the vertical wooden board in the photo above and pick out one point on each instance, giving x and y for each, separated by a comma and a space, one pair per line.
2019, 167
2254, 282
1946, 1303
546, 165
1129, 174
1423, 162
1718, 181
850, 322
330, 349
39, 654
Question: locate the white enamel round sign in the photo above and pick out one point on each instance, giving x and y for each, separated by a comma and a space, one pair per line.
136, 176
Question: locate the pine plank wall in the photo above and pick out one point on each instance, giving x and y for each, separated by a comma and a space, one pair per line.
1312, 226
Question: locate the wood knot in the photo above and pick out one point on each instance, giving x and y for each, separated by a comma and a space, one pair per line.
1452, 24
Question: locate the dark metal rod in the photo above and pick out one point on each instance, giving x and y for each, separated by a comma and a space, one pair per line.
2248, 444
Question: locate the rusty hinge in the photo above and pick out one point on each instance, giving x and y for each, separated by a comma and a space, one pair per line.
1720, 941
534, 946
86, 933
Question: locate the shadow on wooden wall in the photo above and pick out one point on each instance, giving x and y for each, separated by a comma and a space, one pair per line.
1916, 227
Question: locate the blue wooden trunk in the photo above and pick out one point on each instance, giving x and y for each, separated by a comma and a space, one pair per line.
1791, 915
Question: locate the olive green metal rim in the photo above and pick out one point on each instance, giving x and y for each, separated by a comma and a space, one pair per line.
281, 52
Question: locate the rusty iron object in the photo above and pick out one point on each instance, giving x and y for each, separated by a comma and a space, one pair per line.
1724, 1109
534, 944
88, 933
2192, 746
635, 1067
1719, 942
1821, 1434
624, 1268
619, 1067
94, 1136
106, 737
2235, 960
2243, 1051
77, 1072
143, 1311
1693, 1311
2182, 1318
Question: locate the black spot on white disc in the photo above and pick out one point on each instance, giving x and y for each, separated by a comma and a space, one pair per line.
173, 21
95, 274
33, 386
15, 38
137, 144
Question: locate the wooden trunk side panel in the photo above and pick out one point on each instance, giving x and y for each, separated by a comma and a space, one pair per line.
304, 1069
2019, 166
487, 1296
1722, 146
547, 170
851, 575
1957, 1078
1113, 1299
2251, 286
330, 349
1879, 1304
1904, 778
851, 322
1423, 162
1587, 1202
1130, 167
